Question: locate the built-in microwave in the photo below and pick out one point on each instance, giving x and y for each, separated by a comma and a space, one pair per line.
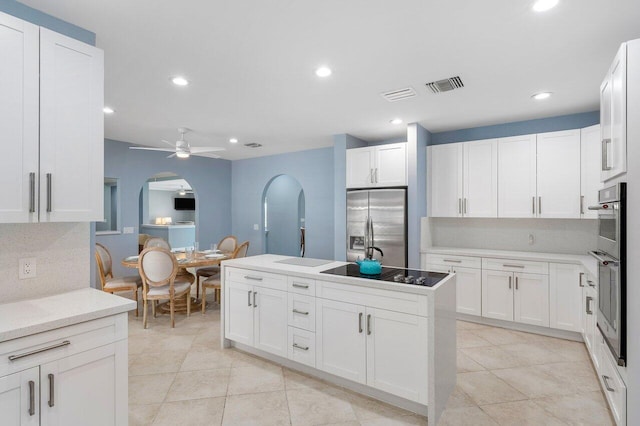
611, 256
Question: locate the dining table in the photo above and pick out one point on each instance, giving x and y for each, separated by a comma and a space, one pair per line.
197, 259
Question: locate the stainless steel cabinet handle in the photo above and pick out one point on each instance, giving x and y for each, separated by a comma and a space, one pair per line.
509, 283
605, 379
459, 205
32, 192
605, 155
255, 304
371, 174
539, 205
591, 283
369, 324
295, 311
37, 351
582, 204
51, 390
464, 206
360, 322
516, 283
512, 266
304, 348
296, 285
376, 175
32, 397
249, 298
580, 277
533, 205
452, 260
589, 311
48, 192
249, 277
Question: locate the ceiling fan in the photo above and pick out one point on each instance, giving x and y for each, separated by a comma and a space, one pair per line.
181, 148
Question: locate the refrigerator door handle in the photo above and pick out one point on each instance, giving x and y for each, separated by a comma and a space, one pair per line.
371, 238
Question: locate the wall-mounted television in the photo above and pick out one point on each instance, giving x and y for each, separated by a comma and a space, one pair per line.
184, 203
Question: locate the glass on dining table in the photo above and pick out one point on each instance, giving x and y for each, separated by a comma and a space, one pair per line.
214, 247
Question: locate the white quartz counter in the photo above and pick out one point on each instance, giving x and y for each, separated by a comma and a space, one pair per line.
587, 261
269, 263
26, 317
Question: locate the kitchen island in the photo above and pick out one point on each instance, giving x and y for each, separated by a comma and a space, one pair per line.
392, 341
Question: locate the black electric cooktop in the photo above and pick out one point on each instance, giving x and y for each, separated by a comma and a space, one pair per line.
397, 275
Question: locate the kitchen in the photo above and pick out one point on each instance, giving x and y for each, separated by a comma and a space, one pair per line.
325, 204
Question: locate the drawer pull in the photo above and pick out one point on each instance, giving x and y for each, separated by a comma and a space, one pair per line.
249, 277
304, 348
37, 351
452, 260
513, 266
605, 379
51, 390
295, 311
32, 398
296, 285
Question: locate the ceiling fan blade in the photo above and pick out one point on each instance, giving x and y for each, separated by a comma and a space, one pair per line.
202, 149
172, 155
151, 149
169, 143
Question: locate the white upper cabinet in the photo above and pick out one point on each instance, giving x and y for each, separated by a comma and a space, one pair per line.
517, 176
51, 111
463, 179
18, 120
613, 118
558, 174
377, 166
590, 157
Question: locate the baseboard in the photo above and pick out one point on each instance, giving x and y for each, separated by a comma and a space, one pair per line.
545, 331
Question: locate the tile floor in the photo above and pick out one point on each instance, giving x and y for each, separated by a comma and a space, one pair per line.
181, 376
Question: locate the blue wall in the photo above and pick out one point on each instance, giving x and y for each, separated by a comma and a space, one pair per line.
417, 140
210, 179
34, 16
313, 169
541, 125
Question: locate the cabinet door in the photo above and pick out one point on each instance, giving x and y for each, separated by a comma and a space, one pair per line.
446, 180
558, 174
565, 296
359, 168
19, 87
605, 128
81, 389
238, 315
71, 130
497, 295
480, 197
531, 299
590, 156
340, 339
397, 353
391, 165
16, 398
270, 320
517, 176
616, 149
468, 290
590, 307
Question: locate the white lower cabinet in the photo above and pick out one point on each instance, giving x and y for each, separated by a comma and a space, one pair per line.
302, 346
613, 387
19, 398
566, 282
589, 308
468, 280
382, 349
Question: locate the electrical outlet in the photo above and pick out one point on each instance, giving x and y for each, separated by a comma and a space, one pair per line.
531, 239
127, 230
27, 268
256, 227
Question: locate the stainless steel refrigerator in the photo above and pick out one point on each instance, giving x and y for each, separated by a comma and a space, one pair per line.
377, 217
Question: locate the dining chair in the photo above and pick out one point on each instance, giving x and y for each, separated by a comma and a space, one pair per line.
112, 284
214, 281
157, 242
158, 268
227, 244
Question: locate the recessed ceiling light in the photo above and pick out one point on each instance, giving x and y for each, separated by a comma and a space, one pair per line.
323, 72
233, 140
540, 96
179, 81
396, 121
544, 5
108, 110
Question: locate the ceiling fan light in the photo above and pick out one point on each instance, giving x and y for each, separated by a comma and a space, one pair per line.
182, 154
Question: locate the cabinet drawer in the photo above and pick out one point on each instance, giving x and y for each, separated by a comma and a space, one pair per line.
30, 351
304, 286
302, 311
302, 346
258, 278
453, 260
612, 385
510, 265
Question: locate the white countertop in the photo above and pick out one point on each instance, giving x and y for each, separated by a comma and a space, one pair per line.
267, 263
172, 226
27, 317
587, 261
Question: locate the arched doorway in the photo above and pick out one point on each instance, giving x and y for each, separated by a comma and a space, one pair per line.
284, 209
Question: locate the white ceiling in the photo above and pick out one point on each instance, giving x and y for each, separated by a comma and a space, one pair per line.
251, 64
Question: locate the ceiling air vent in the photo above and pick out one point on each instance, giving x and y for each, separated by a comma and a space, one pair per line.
446, 85
253, 145
399, 94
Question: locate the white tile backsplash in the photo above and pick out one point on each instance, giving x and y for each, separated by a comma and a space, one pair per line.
572, 236
62, 253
